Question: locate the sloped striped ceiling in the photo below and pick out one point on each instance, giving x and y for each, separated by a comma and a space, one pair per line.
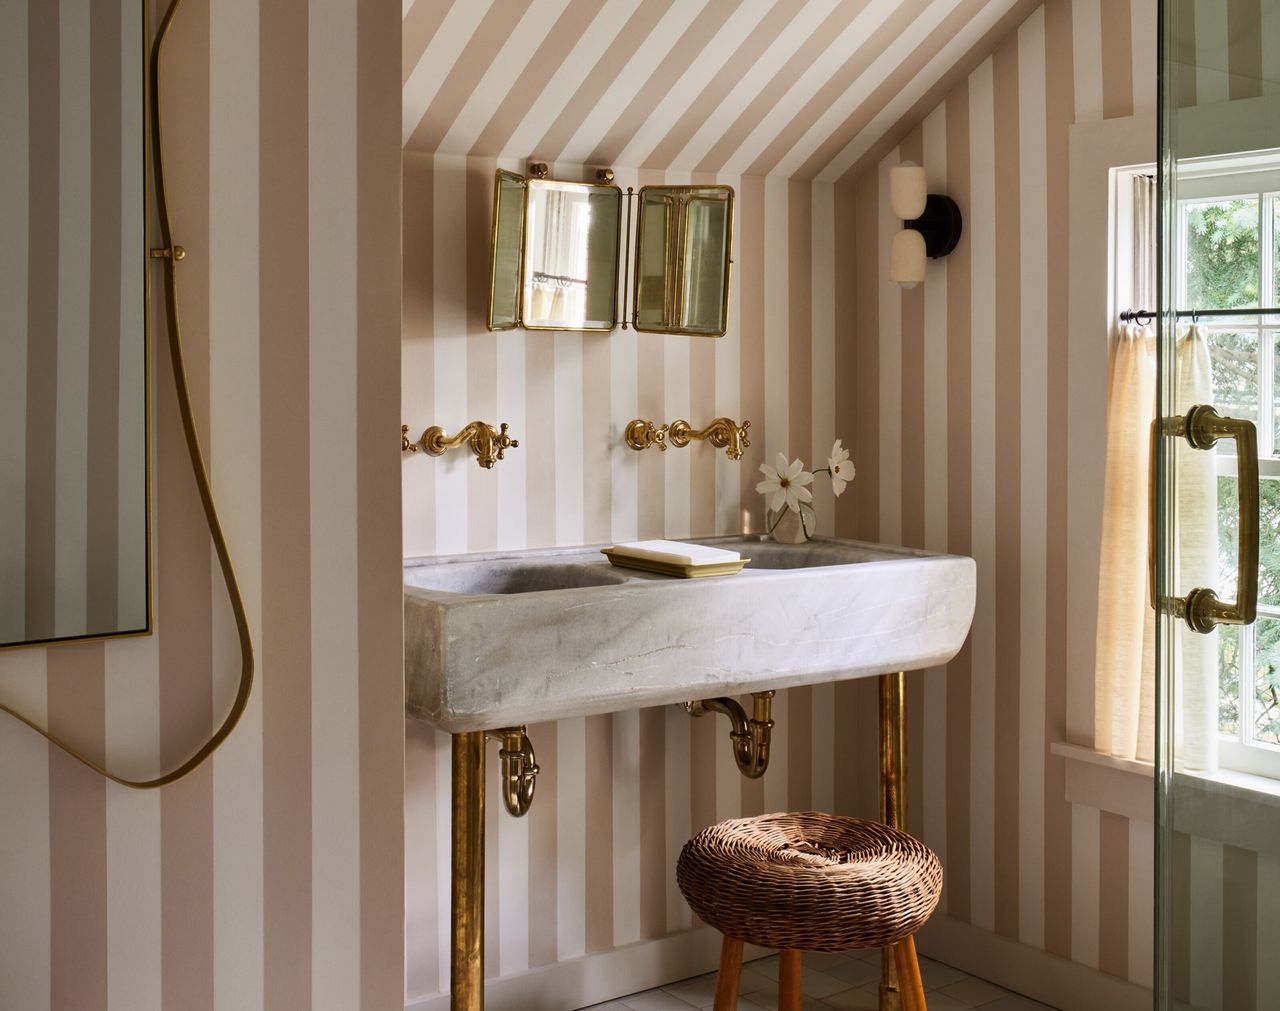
798, 88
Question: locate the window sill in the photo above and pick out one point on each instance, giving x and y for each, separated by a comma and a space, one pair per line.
1117, 785
1235, 808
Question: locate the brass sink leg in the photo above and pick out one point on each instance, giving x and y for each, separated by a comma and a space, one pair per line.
893, 800
466, 970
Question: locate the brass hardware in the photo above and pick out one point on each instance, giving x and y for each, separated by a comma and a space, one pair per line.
626, 262
673, 298
750, 737
893, 801
487, 443
519, 769
723, 433
172, 253
1202, 427
641, 434
466, 967
513, 267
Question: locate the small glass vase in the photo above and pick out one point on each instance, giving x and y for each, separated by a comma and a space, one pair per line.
790, 526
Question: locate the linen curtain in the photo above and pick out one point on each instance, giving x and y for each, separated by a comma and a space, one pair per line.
1124, 671
1196, 563
1124, 675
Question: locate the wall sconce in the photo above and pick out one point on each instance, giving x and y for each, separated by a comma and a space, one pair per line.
931, 224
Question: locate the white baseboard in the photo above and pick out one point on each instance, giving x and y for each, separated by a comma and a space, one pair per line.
592, 979
1047, 978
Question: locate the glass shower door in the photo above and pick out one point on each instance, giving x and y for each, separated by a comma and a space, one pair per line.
1216, 560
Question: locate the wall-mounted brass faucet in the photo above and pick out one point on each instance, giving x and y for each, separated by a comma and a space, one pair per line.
750, 737
488, 444
723, 433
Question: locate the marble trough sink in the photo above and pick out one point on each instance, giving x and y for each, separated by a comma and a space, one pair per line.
526, 637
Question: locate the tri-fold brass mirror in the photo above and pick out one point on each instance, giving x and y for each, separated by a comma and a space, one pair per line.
556, 249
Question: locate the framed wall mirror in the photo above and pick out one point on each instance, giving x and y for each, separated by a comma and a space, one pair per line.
74, 344
556, 246
683, 243
555, 254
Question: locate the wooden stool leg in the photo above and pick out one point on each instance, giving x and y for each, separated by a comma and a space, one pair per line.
730, 972
909, 983
789, 976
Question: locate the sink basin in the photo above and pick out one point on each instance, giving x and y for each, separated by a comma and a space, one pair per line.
526, 637
516, 576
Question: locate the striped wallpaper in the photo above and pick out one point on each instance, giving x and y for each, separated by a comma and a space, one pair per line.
270, 878
73, 547
967, 392
733, 87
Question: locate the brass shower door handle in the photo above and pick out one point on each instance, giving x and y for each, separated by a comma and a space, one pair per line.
1202, 427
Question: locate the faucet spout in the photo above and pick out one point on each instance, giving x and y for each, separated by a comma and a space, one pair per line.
723, 433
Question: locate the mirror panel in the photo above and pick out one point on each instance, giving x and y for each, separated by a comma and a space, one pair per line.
572, 237
683, 244
655, 302
706, 265
74, 524
508, 243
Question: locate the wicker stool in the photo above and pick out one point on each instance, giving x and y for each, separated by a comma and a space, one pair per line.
810, 882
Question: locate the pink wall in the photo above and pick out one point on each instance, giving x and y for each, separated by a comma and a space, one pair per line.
271, 877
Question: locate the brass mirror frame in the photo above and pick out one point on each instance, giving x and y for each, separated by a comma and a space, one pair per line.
170, 255
498, 178
680, 218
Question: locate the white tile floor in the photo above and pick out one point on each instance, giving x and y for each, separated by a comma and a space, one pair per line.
832, 982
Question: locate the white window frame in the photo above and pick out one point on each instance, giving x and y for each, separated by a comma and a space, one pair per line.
1247, 176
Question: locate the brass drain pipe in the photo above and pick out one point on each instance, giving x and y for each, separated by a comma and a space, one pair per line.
520, 770
750, 737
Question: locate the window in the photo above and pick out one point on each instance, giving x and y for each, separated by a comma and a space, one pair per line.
1228, 219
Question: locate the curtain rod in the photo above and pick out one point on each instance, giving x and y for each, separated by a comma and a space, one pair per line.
1141, 315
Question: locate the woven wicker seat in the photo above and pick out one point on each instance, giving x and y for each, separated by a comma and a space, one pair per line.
810, 882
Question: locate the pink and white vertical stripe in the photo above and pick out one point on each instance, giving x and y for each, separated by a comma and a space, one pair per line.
270, 878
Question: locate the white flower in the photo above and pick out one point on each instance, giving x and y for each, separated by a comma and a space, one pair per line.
785, 484
842, 470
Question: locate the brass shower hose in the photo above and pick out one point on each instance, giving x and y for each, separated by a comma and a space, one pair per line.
171, 254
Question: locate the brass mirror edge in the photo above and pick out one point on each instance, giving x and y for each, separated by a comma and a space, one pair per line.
728, 267
198, 465
498, 176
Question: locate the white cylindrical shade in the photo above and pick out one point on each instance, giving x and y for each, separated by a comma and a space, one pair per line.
906, 258
908, 191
